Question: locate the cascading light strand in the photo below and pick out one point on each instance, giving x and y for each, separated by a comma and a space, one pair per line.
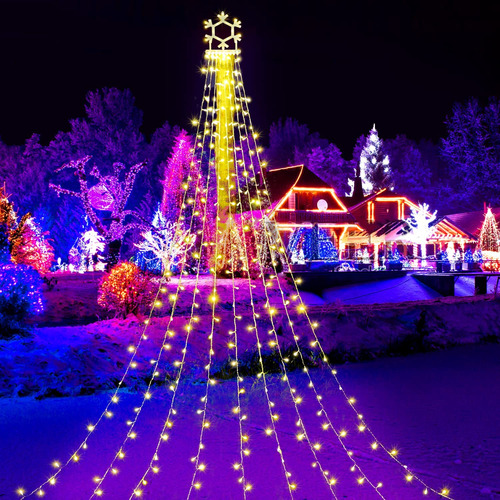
147, 395
285, 378
164, 434
445, 491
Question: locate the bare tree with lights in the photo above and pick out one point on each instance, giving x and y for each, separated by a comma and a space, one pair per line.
421, 229
109, 194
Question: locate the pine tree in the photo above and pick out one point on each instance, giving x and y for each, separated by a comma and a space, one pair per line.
270, 252
231, 251
374, 165
327, 163
489, 236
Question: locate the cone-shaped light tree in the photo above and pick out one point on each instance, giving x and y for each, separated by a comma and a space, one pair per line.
375, 171
489, 236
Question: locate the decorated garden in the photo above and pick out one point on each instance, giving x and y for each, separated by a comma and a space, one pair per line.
187, 315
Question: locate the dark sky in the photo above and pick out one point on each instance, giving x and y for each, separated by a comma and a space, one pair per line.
337, 66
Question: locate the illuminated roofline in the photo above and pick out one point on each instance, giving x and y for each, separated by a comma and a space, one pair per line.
321, 189
282, 226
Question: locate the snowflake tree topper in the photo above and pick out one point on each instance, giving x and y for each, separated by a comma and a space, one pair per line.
222, 20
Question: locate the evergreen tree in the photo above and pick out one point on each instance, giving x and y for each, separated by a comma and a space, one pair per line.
270, 252
489, 236
290, 142
410, 172
374, 166
327, 163
231, 251
472, 149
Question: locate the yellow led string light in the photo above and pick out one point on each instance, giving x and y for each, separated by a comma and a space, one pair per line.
238, 390
75, 456
299, 351
392, 453
163, 436
292, 391
269, 403
205, 424
147, 395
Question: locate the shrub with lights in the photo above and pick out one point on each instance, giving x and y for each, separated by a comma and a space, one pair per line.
23, 242
20, 297
126, 289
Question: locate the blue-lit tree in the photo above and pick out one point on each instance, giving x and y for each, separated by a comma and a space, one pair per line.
314, 243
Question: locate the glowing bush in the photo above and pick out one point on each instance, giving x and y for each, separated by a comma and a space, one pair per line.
20, 297
126, 289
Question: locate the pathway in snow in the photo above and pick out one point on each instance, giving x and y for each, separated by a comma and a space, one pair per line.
440, 409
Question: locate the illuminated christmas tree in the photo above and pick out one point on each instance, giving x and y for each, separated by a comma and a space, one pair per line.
489, 242
231, 250
375, 171
270, 251
178, 173
489, 235
29, 245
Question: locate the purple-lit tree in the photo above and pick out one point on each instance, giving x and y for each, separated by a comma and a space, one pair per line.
327, 163
290, 142
110, 194
176, 172
410, 171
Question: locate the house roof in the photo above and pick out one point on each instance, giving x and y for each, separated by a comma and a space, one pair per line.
281, 180
471, 222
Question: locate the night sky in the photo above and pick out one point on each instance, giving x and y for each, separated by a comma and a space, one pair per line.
337, 66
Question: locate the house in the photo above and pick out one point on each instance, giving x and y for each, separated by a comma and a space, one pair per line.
377, 222
382, 217
300, 198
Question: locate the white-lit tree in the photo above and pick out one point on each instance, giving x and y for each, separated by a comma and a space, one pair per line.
421, 229
167, 242
374, 168
270, 251
489, 235
91, 244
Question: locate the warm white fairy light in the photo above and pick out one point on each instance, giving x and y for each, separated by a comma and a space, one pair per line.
148, 395
313, 325
164, 436
274, 416
296, 400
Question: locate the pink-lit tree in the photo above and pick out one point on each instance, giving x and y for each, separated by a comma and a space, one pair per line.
110, 194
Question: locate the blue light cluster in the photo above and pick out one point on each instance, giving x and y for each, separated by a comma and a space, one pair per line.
315, 244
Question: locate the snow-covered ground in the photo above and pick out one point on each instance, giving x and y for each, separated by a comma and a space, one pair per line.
439, 409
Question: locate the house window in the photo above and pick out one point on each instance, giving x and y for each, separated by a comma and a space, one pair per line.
292, 200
